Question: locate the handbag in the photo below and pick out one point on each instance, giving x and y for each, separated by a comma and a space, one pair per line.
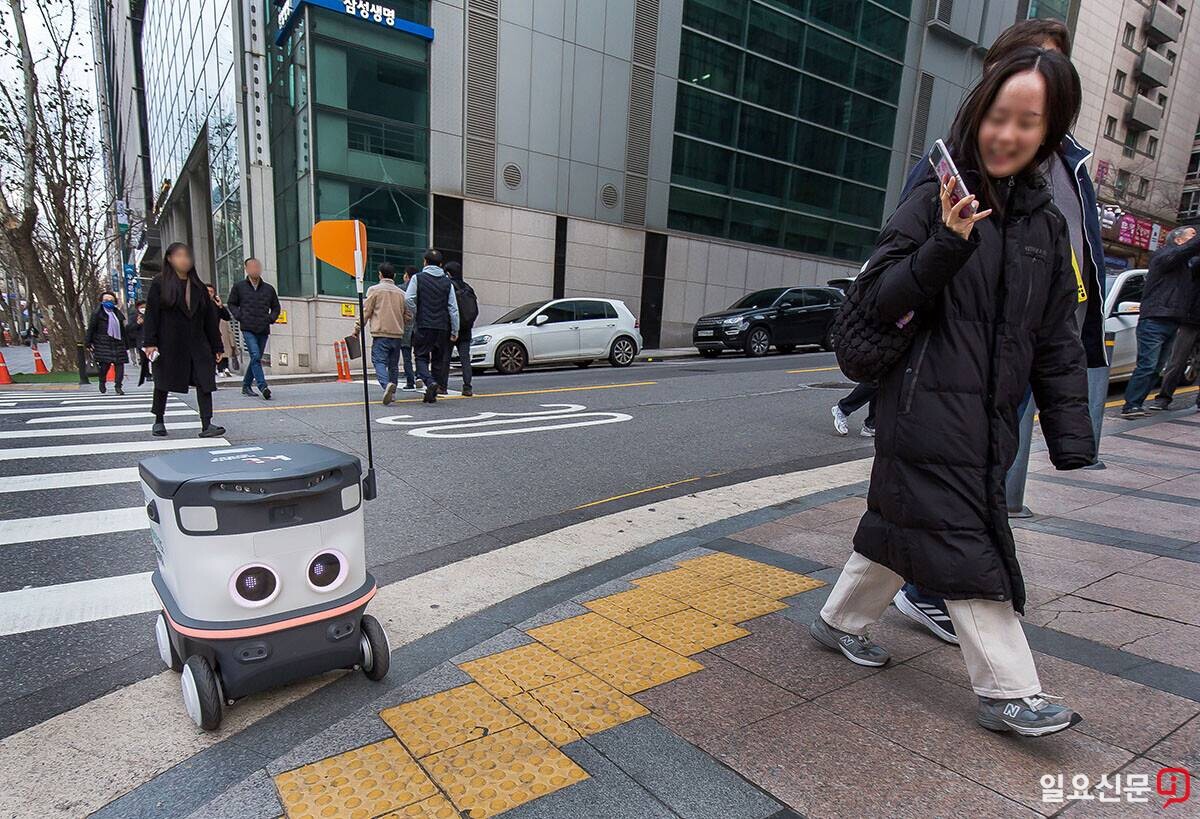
866, 346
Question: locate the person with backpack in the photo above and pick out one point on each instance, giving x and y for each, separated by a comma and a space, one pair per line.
430, 299
468, 311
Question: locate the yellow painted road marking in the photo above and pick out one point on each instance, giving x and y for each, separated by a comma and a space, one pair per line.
812, 370
443, 397
644, 491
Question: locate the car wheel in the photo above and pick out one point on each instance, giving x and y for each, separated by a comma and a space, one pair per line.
758, 342
623, 352
583, 365
510, 358
827, 342
785, 348
710, 353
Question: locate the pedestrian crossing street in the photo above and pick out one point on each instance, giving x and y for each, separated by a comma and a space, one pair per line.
71, 506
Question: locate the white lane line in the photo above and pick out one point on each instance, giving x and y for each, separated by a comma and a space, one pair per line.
21, 434
69, 480
81, 602
89, 407
74, 524
107, 448
145, 413
74, 399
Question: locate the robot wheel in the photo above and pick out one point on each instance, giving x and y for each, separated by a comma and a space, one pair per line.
201, 693
166, 650
376, 651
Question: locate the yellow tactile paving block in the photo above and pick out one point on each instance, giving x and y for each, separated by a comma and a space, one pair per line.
689, 631
519, 669
634, 606
719, 564
357, 784
733, 604
636, 666
582, 635
547, 723
678, 584
773, 582
499, 772
435, 807
447, 719
588, 704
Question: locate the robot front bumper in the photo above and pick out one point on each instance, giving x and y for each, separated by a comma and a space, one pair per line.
256, 654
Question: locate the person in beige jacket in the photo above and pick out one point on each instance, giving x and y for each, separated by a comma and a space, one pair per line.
384, 312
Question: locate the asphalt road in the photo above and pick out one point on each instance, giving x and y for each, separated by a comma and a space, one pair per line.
527, 454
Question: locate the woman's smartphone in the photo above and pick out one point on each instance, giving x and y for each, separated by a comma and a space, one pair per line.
944, 166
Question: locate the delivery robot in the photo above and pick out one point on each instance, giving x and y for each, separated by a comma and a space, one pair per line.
261, 570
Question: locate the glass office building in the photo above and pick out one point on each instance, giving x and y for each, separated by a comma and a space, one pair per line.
785, 120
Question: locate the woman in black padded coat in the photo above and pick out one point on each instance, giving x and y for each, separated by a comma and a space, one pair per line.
994, 297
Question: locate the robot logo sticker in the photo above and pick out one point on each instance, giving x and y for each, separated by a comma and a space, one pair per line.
251, 459
483, 424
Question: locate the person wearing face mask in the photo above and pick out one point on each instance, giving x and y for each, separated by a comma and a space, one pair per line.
993, 294
106, 341
134, 332
182, 338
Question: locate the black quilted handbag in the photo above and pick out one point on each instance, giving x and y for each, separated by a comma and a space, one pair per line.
867, 346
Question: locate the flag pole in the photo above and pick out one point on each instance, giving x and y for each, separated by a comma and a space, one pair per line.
369, 487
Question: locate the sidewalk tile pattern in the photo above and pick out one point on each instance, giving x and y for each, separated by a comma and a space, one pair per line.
493, 744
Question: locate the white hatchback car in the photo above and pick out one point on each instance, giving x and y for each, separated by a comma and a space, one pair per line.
555, 331
1121, 307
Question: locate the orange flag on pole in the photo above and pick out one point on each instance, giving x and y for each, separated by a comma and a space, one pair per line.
342, 243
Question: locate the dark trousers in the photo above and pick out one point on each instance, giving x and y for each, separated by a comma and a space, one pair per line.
1153, 347
862, 394
1181, 353
118, 371
432, 350
203, 403
463, 345
406, 355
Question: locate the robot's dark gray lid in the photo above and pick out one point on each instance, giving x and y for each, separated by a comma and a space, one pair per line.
164, 474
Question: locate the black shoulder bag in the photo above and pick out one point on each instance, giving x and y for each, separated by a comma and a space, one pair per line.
866, 346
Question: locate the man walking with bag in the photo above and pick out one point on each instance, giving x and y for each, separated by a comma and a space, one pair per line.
468, 311
384, 313
430, 299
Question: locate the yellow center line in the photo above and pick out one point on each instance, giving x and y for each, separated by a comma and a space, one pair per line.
812, 370
647, 489
440, 398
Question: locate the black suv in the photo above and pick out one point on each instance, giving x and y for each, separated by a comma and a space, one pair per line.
781, 316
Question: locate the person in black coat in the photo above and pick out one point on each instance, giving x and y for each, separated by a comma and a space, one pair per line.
994, 296
106, 341
134, 335
182, 338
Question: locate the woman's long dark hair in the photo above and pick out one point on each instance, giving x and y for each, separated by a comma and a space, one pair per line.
170, 283
1062, 107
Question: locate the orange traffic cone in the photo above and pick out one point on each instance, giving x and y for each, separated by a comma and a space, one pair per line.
5, 378
39, 366
112, 372
343, 361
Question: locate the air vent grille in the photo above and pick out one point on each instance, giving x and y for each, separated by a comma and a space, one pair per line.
483, 41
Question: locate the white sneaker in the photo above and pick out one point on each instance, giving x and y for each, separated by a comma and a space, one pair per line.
840, 422
867, 432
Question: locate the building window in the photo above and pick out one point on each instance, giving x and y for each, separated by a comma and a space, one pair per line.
1171, 57
1131, 143
1189, 205
1122, 181
1119, 83
1162, 100
1110, 128
1193, 168
1151, 147
1143, 188
1130, 36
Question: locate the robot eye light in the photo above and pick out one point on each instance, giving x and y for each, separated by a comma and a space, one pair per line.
254, 585
327, 570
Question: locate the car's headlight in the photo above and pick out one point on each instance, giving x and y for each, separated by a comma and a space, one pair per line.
734, 320
480, 340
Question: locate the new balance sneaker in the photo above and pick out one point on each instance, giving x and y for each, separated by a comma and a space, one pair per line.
857, 648
389, 393
841, 424
928, 611
1027, 716
867, 431
266, 393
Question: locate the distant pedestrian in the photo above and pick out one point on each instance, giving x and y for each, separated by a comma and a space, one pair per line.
406, 344
226, 331
106, 340
430, 298
134, 332
862, 394
468, 311
384, 313
1167, 304
993, 293
1183, 348
182, 338
255, 305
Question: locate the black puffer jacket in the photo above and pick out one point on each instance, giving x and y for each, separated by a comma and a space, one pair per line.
255, 308
997, 315
105, 348
1171, 283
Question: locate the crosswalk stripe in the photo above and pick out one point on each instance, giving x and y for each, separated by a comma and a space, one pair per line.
145, 413
27, 410
107, 448
74, 524
59, 398
59, 433
80, 602
69, 480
